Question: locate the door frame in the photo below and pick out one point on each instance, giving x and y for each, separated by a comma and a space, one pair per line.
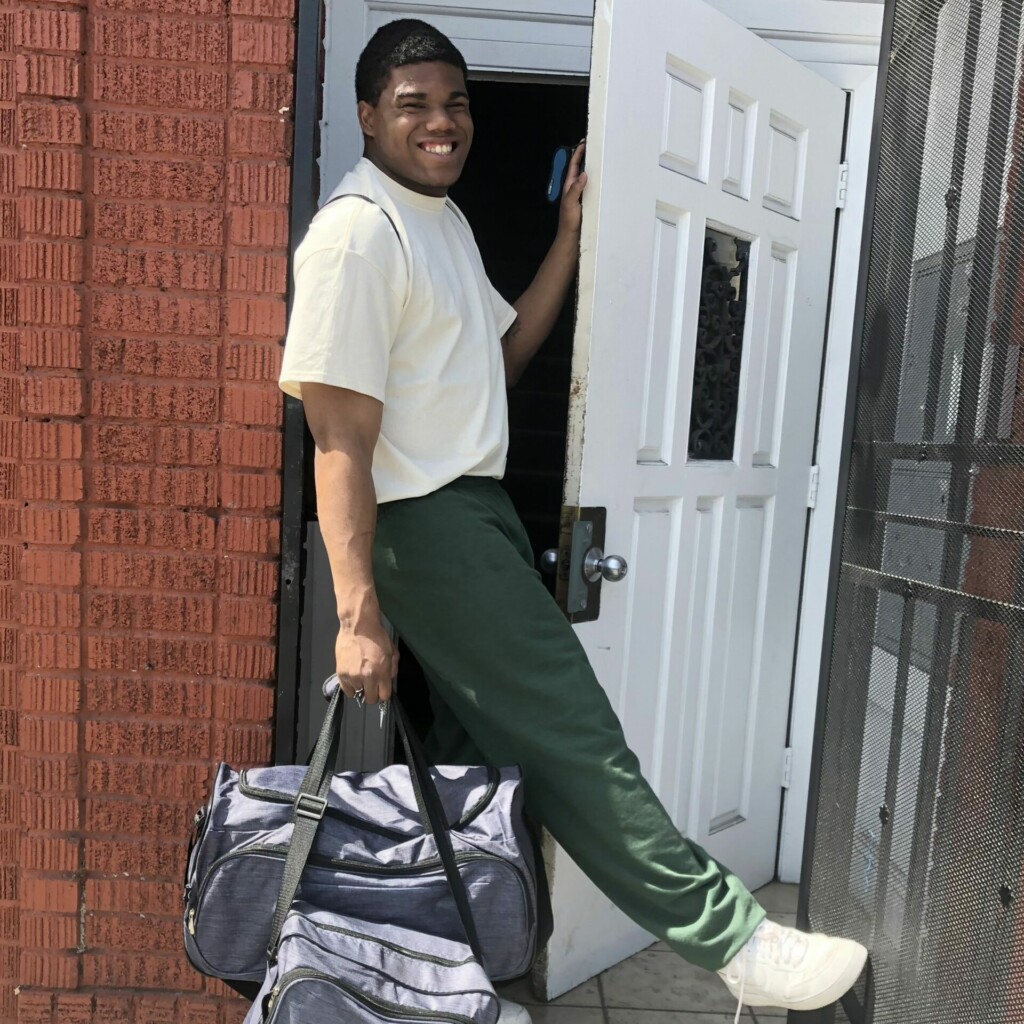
295, 503
324, 31
821, 523
838, 39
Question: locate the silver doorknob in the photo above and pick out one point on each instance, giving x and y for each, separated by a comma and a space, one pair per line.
597, 564
549, 561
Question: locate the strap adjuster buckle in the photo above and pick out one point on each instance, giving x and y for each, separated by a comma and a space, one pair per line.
309, 805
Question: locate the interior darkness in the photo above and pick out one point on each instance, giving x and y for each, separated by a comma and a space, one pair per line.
502, 192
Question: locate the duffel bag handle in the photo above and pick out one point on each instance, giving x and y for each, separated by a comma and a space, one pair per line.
309, 807
311, 803
430, 799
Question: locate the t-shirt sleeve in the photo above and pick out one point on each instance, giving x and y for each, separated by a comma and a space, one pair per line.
345, 316
504, 314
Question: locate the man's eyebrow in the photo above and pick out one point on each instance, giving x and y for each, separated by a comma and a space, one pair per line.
457, 95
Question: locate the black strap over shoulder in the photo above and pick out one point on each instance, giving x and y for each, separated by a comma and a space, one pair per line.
367, 199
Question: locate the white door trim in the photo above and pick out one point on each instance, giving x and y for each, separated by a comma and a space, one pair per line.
820, 531
840, 39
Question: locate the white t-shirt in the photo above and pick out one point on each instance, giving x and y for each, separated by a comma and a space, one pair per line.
408, 318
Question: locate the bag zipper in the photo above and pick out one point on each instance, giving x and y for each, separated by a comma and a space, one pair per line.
278, 796
356, 867
397, 1013
414, 954
423, 867
196, 834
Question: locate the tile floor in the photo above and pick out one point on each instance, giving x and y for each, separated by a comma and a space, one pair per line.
655, 986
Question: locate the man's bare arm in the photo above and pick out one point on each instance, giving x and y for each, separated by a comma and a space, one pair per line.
345, 426
539, 305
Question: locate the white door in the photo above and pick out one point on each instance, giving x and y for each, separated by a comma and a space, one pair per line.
696, 125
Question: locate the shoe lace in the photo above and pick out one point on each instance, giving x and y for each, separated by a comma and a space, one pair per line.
784, 947
737, 972
739, 1001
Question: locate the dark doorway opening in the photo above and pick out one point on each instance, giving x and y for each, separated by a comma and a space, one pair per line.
503, 194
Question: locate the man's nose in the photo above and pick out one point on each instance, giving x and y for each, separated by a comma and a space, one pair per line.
440, 120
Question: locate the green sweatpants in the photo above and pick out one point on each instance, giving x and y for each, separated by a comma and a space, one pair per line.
454, 573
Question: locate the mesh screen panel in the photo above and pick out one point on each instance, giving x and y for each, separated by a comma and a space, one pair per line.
917, 847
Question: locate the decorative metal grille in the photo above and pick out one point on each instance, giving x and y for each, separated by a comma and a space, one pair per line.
918, 834
716, 372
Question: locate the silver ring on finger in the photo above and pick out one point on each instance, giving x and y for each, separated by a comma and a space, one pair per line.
360, 696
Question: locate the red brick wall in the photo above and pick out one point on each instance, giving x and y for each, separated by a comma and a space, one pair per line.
144, 181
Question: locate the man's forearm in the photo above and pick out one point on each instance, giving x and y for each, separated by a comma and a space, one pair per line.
347, 510
538, 307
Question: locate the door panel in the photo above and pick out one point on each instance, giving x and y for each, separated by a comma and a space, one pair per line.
704, 283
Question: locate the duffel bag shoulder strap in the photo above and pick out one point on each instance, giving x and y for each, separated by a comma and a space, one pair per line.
419, 772
309, 807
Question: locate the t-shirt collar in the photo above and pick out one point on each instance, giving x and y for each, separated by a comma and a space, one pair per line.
401, 194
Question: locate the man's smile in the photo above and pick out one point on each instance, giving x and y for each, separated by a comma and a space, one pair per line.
438, 148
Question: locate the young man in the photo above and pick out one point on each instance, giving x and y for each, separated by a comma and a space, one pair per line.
401, 351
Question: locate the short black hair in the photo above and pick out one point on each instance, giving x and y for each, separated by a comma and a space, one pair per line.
396, 44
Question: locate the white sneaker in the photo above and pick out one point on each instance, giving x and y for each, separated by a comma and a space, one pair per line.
513, 1013
782, 967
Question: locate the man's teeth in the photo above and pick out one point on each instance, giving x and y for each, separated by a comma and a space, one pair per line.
438, 148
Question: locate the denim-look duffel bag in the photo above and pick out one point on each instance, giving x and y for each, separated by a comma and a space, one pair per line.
332, 968
374, 857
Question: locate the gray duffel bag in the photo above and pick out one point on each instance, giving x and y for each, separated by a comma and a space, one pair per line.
372, 855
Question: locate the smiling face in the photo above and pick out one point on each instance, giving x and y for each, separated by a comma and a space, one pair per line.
420, 130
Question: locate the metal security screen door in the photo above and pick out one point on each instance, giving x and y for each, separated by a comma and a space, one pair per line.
917, 830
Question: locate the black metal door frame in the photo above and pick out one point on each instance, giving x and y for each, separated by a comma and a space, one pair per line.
295, 499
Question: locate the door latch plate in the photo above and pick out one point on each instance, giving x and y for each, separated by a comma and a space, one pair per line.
582, 530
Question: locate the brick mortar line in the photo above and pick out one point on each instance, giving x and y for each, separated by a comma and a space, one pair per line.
199, 113
146, 247
171, 63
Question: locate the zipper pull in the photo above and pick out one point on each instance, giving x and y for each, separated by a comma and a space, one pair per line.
192, 921
272, 998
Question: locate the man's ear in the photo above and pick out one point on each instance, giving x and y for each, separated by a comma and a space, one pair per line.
367, 115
